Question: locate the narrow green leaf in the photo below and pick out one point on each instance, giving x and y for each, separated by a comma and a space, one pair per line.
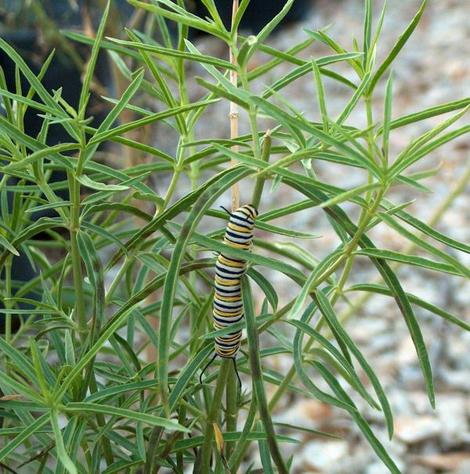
176, 53
4, 243
28, 102
375, 39
305, 69
18, 359
105, 44
109, 134
367, 28
306, 126
265, 286
279, 57
418, 143
257, 377
302, 374
90, 69
358, 94
427, 113
238, 16
110, 392
320, 91
336, 354
392, 222
117, 206
413, 327
113, 115
181, 16
382, 290
431, 232
322, 37
64, 458
350, 193
387, 118
123, 466
38, 155
90, 183
25, 434
390, 279
186, 375
307, 430
19, 388
264, 453
87, 407
268, 29
409, 159
397, 47
410, 260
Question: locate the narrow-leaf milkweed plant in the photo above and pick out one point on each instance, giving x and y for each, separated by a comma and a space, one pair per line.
103, 350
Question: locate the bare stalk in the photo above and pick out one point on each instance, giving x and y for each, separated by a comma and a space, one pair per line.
234, 112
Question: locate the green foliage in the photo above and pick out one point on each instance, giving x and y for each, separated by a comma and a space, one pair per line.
124, 271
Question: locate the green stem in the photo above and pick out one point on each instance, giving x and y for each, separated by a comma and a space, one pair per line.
7, 303
259, 185
212, 416
435, 218
370, 122
232, 406
242, 445
180, 455
252, 116
170, 190
151, 465
74, 187
180, 155
118, 279
101, 421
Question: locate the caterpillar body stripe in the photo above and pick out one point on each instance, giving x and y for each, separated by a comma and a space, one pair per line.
228, 305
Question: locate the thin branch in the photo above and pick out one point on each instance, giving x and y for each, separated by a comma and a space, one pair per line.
234, 112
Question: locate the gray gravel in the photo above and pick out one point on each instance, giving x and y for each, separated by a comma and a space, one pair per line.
433, 68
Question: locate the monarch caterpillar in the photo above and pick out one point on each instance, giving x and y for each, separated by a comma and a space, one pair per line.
228, 306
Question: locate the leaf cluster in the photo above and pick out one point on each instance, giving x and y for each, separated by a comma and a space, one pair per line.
125, 268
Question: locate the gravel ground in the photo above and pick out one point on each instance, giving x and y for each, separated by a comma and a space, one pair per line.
433, 68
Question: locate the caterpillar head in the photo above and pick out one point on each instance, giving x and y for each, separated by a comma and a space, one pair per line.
247, 212
252, 210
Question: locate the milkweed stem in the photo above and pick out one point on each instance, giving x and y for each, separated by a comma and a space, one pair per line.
259, 185
212, 417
